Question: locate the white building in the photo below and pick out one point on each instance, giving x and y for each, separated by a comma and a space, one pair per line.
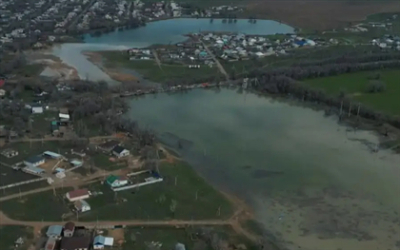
76, 195
37, 109
119, 152
100, 242
82, 206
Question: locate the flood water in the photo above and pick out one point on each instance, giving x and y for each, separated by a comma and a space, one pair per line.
159, 32
312, 183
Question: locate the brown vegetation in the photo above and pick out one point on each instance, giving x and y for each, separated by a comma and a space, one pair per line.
319, 15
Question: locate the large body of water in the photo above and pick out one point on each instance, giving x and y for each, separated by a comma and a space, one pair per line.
313, 184
308, 179
159, 32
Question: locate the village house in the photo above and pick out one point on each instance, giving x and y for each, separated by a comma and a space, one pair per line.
9, 153
36, 109
54, 231
108, 146
34, 161
100, 242
75, 243
120, 152
69, 229
79, 194
116, 181
82, 206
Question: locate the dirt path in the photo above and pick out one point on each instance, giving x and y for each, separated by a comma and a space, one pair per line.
221, 68
157, 59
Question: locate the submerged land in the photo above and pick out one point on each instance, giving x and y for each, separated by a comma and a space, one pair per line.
229, 164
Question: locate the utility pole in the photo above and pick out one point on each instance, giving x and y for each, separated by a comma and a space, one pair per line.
176, 180
358, 110
219, 211
341, 108
349, 110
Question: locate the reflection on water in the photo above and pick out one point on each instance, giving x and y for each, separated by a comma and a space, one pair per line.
311, 182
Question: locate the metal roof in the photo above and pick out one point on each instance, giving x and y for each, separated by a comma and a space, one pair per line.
34, 169
34, 159
105, 241
52, 154
54, 230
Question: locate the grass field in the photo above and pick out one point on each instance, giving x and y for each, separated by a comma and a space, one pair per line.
41, 206
151, 71
154, 201
139, 238
103, 161
9, 234
355, 85
26, 149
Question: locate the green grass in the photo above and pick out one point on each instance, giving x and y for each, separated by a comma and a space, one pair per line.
153, 202
40, 206
355, 85
254, 227
41, 123
137, 238
103, 161
9, 234
27, 149
151, 71
23, 188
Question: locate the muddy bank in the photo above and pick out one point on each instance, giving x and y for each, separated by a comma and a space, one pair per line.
114, 73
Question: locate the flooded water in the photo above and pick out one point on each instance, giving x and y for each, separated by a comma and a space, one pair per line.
159, 32
311, 182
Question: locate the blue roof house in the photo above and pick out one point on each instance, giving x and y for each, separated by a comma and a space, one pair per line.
34, 161
54, 231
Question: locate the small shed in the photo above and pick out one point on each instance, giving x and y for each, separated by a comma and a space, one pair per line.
69, 229
100, 242
37, 109
50, 244
120, 152
76, 163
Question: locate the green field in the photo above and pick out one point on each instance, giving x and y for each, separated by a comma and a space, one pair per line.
41, 206
139, 238
27, 149
355, 86
153, 202
151, 71
9, 234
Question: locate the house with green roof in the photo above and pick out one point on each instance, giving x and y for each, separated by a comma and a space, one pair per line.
116, 181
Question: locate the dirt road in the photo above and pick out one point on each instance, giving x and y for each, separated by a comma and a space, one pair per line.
64, 139
221, 68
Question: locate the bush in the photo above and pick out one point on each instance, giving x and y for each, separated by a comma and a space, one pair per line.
376, 86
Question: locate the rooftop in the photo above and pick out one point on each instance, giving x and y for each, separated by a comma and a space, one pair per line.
54, 230
118, 149
34, 159
74, 243
69, 226
78, 193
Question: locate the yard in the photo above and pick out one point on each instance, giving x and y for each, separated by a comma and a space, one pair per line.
9, 234
355, 86
103, 161
40, 206
161, 201
28, 149
139, 238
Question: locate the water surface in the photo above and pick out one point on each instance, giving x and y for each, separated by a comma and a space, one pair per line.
298, 169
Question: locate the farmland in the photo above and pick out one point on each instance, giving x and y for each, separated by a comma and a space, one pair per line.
182, 195
354, 85
9, 234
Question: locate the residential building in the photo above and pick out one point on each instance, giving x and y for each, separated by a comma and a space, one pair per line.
82, 206
9, 153
108, 146
120, 152
116, 181
75, 243
52, 155
100, 242
37, 109
69, 229
79, 194
34, 161
54, 231
50, 244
